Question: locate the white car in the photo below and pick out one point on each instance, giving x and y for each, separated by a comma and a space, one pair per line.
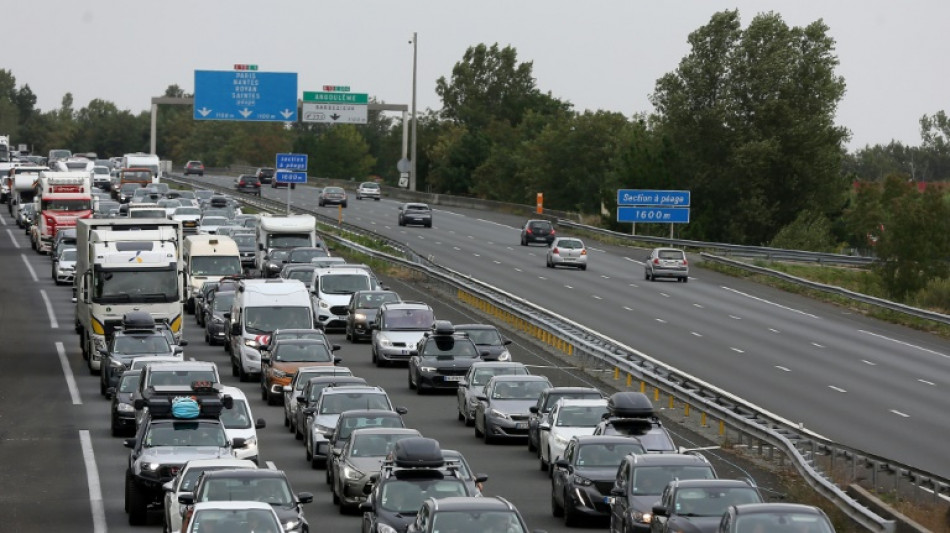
239, 423
169, 205
233, 516
567, 251
185, 482
140, 362
64, 269
369, 189
210, 225
189, 217
569, 417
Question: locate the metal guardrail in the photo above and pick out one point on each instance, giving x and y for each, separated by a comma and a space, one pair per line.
831, 289
803, 447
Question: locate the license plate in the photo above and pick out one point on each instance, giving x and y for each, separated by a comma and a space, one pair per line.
452, 378
521, 425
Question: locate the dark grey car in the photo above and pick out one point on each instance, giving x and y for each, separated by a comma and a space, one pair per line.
503, 408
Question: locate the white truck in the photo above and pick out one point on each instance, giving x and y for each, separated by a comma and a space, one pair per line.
143, 160
61, 199
208, 258
284, 232
20, 181
125, 265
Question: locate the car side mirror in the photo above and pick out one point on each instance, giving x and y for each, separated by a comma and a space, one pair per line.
334, 347
183, 342
484, 353
463, 383
265, 358
338, 451
329, 435
544, 426
227, 316
260, 424
533, 409
169, 486
129, 443
305, 497
401, 410
366, 507
481, 397
179, 350
562, 463
186, 498
481, 478
302, 400
660, 510
110, 393
287, 388
616, 491
506, 342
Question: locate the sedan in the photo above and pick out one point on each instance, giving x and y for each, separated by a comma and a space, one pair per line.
474, 383
767, 517
503, 408
361, 458
185, 480
569, 418
332, 196
666, 263
123, 413
566, 251
64, 268
369, 189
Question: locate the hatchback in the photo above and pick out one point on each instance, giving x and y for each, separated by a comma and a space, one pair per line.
369, 189
248, 183
194, 167
332, 196
666, 263
537, 231
566, 251
265, 174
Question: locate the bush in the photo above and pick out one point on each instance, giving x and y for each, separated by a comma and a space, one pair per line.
810, 231
934, 296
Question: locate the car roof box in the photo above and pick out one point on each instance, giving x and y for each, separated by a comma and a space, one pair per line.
137, 320
630, 405
418, 452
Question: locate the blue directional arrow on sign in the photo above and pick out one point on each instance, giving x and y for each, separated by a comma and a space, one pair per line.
245, 95
282, 176
667, 215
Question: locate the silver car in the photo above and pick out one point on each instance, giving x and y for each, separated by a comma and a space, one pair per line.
567, 251
666, 263
64, 269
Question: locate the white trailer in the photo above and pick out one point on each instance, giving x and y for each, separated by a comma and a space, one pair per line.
284, 232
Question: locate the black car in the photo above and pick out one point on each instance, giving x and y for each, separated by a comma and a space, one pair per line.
442, 358
416, 472
248, 183
306, 254
261, 485
414, 213
123, 413
362, 312
465, 514
219, 303
769, 517
127, 344
698, 504
200, 301
265, 174
274, 261
247, 247
537, 231
541, 410
355, 419
487, 338
194, 167
582, 479
310, 395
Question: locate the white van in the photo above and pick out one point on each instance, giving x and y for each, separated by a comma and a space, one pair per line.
260, 307
331, 290
208, 258
143, 160
239, 423
284, 232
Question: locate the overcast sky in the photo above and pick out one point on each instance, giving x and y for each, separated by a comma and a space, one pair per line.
598, 54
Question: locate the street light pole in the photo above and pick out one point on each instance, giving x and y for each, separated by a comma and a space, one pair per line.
412, 169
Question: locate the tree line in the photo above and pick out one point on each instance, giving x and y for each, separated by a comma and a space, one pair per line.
745, 121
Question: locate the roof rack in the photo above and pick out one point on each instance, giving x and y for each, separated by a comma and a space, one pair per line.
202, 399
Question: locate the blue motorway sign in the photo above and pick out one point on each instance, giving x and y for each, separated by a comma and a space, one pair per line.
651, 197
282, 176
291, 162
665, 215
245, 95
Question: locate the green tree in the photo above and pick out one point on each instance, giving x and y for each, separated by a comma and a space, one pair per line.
342, 153
9, 112
752, 114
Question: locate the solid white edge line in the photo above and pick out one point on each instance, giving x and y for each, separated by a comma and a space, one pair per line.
92, 476
12, 238
902, 343
29, 268
53, 323
68, 372
3, 221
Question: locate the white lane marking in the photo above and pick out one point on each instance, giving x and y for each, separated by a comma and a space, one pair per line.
476, 255
763, 300
605, 277
519, 270
698, 306
695, 334
898, 413
869, 363
532, 254
68, 372
29, 267
836, 389
594, 296
737, 350
734, 317
3, 221
568, 287
456, 248
783, 369
451, 231
12, 238
438, 243
627, 308
633, 285
510, 248
663, 294
661, 321
925, 382
816, 345
92, 477
773, 330
471, 236
421, 236
53, 323
490, 243
496, 262
271, 465
542, 278
909, 345
634, 261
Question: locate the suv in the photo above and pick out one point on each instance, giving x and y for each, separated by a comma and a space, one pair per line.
157, 380
265, 174
631, 414
582, 479
369, 189
333, 401
331, 291
138, 336
698, 504
537, 231
420, 214
281, 363
666, 263
176, 430
502, 410
441, 358
194, 167
248, 183
640, 482
397, 330
417, 471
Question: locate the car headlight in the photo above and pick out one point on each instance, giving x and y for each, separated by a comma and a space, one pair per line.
280, 374
251, 343
384, 342
321, 429
291, 525
116, 364
427, 369
249, 443
359, 316
561, 440
324, 305
582, 481
151, 467
499, 414
504, 356
124, 408
642, 517
351, 473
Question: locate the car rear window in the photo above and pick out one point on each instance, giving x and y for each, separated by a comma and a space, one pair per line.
540, 225
670, 254
570, 244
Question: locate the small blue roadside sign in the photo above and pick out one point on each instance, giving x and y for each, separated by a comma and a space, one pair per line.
291, 162
283, 176
245, 95
667, 215
653, 197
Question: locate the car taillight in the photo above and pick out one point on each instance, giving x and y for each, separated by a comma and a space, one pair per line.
528, 231
555, 251
584, 252
553, 232
656, 260
240, 184
684, 262
257, 184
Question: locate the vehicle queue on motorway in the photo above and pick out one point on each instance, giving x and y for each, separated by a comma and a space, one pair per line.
193, 444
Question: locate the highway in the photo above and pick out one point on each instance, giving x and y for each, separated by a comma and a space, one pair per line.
855, 380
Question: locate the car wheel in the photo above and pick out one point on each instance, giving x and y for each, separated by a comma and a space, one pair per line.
531, 446
242, 375
114, 428
287, 422
646, 275
329, 478
344, 205
542, 463
469, 421
234, 369
523, 242
102, 383
297, 434
428, 224
685, 280
264, 395
412, 385
556, 508
571, 517
138, 507
336, 501
583, 267
93, 371
273, 399
486, 433
478, 432
307, 451
376, 199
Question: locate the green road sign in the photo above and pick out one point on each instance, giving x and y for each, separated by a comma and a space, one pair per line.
335, 98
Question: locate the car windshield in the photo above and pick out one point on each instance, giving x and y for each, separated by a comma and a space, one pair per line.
519, 390
412, 207
486, 337
244, 240
376, 445
214, 221
300, 353
782, 521
543, 226
305, 256
266, 319
68, 254
335, 404
204, 195
404, 496
581, 417
608, 455
357, 422
223, 301
712, 501
179, 377
555, 396
653, 479
653, 438
215, 265
370, 185
333, 190
266, 489
304, 275
344, 283
449, 347
186, 434
374, 300
289, 240
408, 319
304, 377
477, 521
238, 417
482, 375
141, 344
278, 255
129, 383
